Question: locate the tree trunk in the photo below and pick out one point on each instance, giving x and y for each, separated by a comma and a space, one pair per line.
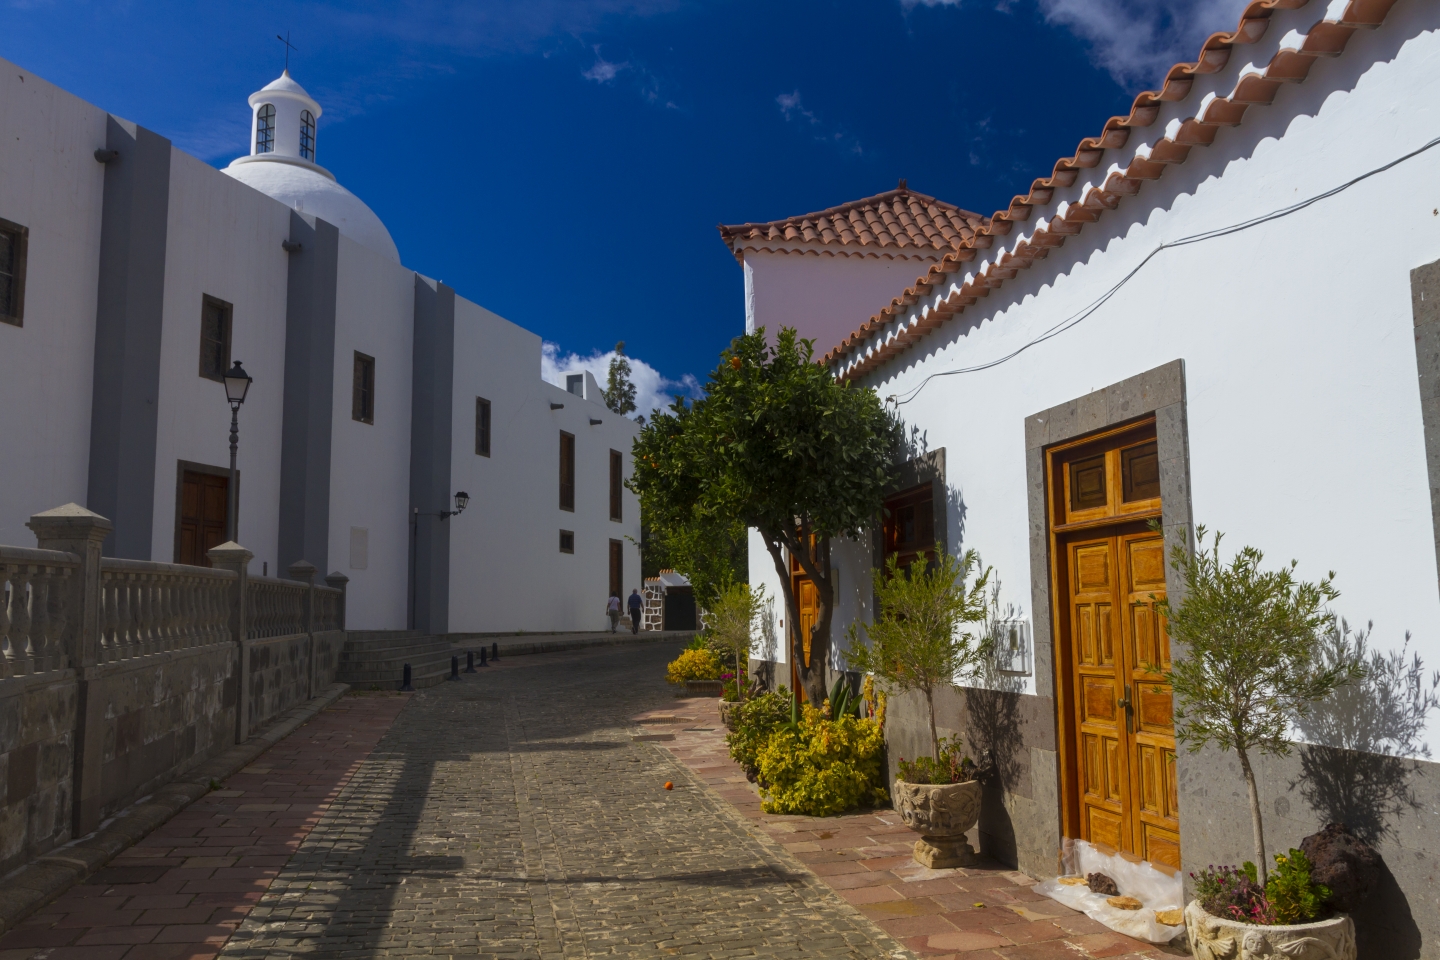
934, 737
1254, 813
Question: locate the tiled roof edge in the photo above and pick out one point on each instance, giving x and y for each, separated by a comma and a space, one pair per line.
1327, 38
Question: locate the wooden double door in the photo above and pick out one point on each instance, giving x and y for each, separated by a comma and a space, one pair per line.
204, 500
1117, 712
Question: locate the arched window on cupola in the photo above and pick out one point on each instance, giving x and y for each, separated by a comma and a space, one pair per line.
265, 129
307, 135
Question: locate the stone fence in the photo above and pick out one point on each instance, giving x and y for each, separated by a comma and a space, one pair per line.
116, 676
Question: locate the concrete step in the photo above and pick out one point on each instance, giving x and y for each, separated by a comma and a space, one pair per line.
401, 653
379, 661
397, 643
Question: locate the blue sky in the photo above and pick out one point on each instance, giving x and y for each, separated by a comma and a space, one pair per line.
565, 162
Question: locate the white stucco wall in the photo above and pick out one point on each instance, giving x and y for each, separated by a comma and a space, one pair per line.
223, 239
506, 568
824, 295
1303, 404
52, 185
370, 463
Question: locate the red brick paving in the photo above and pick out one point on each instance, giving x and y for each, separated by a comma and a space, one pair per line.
181, 892
977, 913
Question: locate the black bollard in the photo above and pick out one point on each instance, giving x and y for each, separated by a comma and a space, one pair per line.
482, 658
405, 684
454, 668
469, 661
494, 651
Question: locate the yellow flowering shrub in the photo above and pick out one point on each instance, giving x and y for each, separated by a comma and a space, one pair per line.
824, 768
693, 665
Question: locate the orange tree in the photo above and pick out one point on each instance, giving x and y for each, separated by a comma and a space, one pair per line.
778, 444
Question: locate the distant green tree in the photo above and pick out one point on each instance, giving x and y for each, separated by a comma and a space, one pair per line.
779, 445
917, 642
619, 391
1253, 658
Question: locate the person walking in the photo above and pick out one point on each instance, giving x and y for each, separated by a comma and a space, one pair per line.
636, 606
612, 610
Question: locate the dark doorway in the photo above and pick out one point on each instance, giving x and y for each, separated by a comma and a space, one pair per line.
679, 608
200, 523
617, 568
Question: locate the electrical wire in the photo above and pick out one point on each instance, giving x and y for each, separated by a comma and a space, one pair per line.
1076, 318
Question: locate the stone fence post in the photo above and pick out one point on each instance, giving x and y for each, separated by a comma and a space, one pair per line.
338, 580
232, 556
304, 571
76, 530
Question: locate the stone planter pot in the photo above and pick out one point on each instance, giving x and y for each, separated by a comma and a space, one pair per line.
704, 688
1215, 938
943, 813
727, 713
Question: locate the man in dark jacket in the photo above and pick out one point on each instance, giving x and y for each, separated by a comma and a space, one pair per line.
636, 606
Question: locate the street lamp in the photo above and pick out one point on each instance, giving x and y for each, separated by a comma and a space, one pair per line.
462, 500
237, 384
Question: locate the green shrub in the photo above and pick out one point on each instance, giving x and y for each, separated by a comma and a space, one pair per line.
693, 665
1295, 895
821, 767
952, 767
754, 722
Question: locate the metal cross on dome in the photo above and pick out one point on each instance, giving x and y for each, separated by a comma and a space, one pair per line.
288, 47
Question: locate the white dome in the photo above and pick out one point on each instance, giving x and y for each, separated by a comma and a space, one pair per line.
314, 193
282, 165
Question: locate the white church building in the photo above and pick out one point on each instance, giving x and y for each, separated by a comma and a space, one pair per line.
1223, 308
132, 275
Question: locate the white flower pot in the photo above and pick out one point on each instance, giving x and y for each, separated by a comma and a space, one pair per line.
1215, 938
943, 813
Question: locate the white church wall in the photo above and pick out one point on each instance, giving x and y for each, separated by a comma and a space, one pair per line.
370, 463
52, 185
1304, 415
223, 241
824, 296
506, 568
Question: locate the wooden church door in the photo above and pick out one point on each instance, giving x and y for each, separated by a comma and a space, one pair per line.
1114, 650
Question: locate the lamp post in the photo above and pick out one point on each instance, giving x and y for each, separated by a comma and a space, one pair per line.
237, 384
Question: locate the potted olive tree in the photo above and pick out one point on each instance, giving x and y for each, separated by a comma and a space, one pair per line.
730, 626
1251, 664
917, 644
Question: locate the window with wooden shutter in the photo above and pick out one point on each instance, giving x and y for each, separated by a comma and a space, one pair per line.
362, 404
617, 484
482, 427
215, 323
567, 471
14, 239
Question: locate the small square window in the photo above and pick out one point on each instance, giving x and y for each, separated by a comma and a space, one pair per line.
14, 242
215, 323
362, 403
482, 427
567, 541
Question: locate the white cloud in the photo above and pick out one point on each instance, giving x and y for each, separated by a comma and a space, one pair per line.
604, 71
792, 105
653, 391
1136, 41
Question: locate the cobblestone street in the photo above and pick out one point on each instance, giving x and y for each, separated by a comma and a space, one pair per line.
515, 814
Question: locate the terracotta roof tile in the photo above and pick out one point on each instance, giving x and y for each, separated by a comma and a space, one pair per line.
898, 219
1326, 38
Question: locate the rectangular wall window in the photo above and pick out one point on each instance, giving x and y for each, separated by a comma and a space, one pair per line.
14, 239
567, 471
567, 541
215, 318
362, 404
482, 427
617, 484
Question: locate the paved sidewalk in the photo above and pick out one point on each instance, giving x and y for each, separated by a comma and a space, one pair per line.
982, 912
180, 893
